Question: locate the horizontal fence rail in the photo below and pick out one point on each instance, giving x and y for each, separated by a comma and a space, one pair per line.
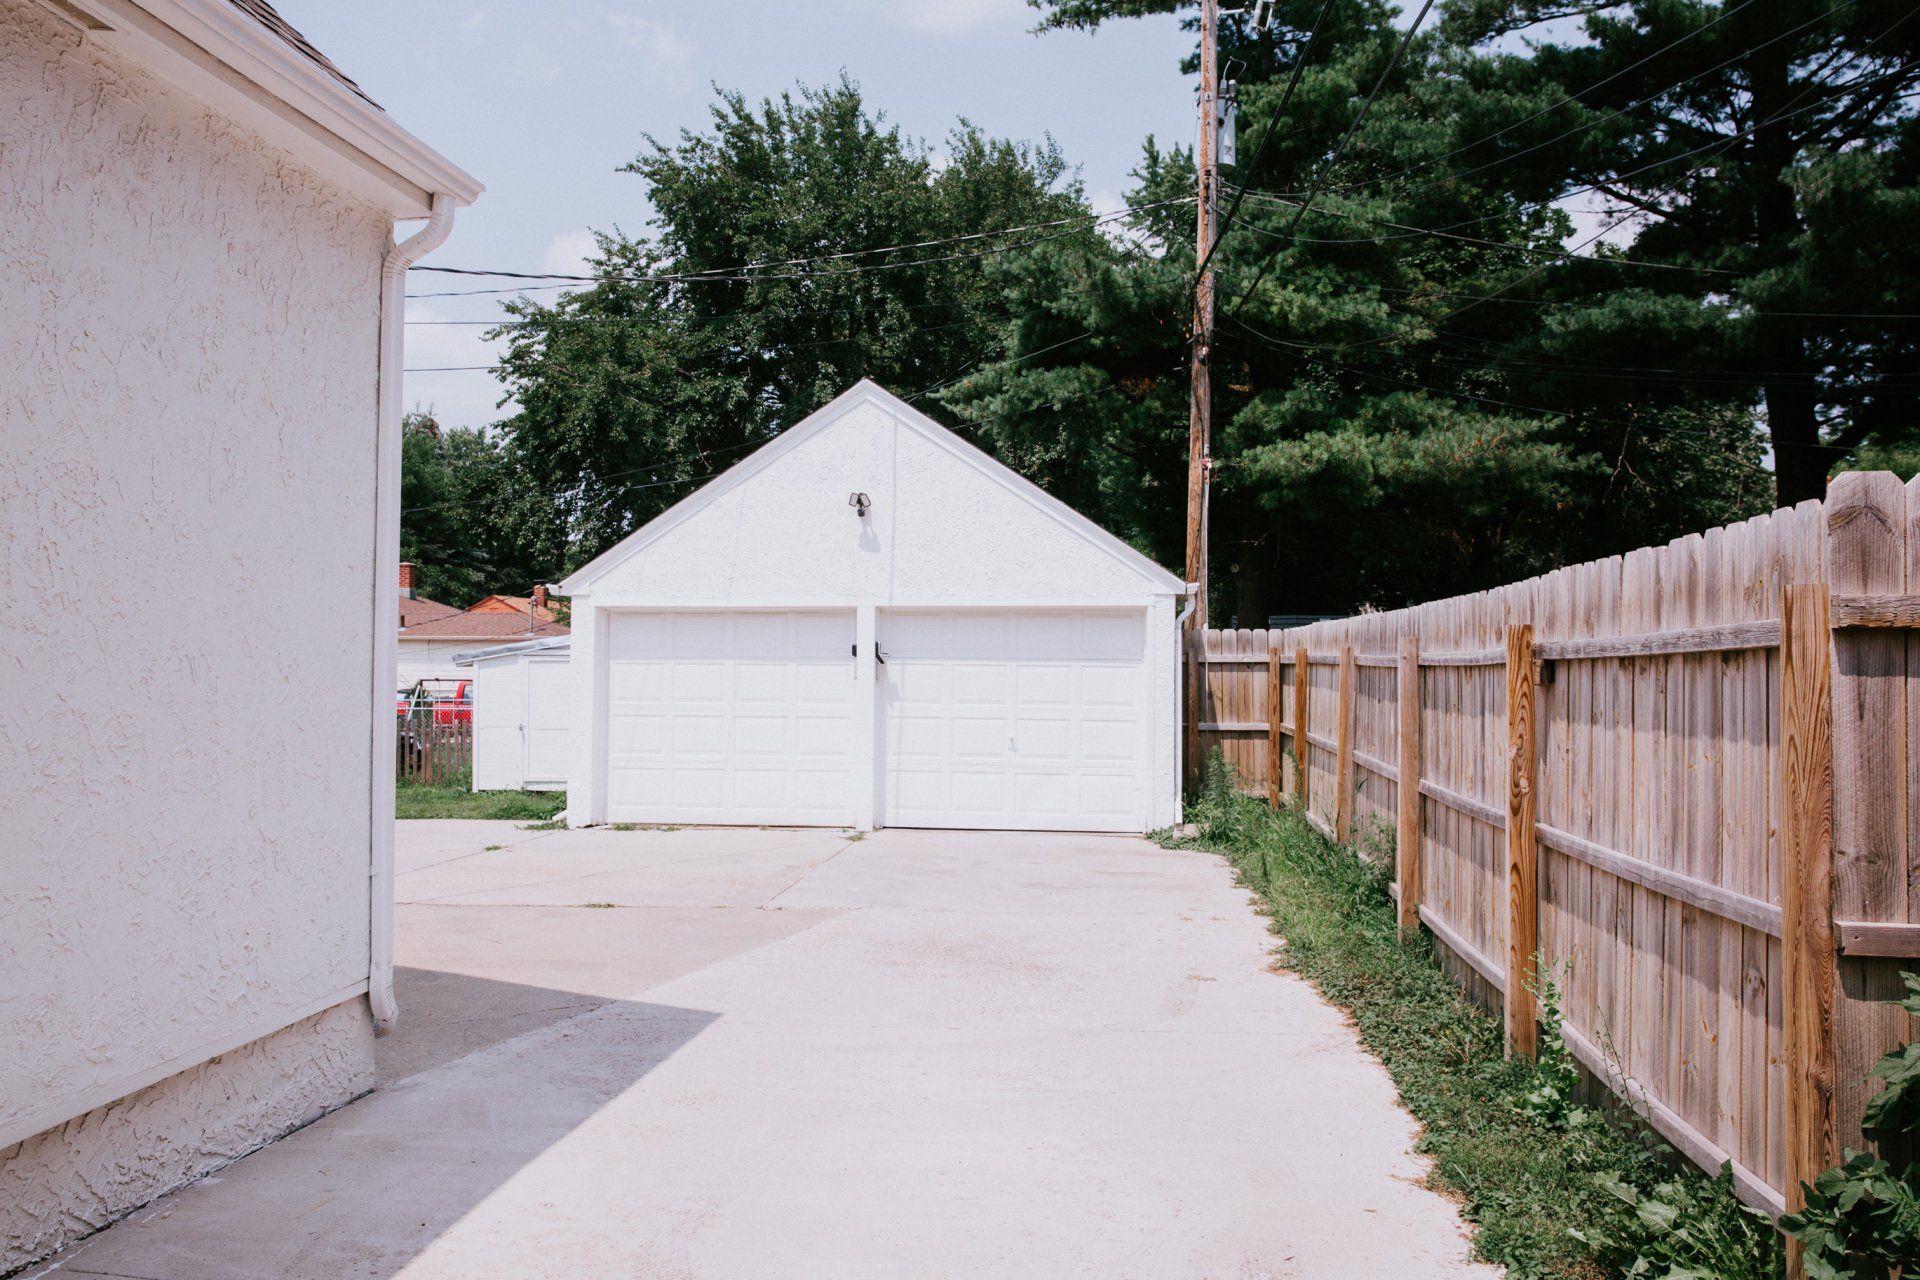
1682, 781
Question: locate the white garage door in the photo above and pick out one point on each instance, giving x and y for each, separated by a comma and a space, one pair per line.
1019, 719
737, 717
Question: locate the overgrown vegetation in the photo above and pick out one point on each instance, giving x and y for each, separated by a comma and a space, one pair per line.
1555, 1189
456, 799
1862, 1218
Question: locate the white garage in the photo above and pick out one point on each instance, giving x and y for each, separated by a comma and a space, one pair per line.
869, 622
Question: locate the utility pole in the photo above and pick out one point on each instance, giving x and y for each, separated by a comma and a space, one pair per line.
1200, 421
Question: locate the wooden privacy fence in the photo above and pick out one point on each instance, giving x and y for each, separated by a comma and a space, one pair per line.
1684, 779
433, 749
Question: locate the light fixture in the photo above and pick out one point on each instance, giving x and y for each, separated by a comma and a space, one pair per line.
859, 502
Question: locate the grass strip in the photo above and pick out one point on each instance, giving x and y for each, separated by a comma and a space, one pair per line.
414, 800
1555, 1190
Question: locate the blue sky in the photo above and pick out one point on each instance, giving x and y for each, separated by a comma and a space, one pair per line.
543, 101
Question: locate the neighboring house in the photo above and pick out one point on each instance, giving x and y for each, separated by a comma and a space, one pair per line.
201, 353
416, 608
522, 699
427, 648
869, 622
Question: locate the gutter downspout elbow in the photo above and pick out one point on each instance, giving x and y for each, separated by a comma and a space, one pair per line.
1186, 610
386, 600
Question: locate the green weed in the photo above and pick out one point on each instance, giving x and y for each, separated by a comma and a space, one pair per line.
1541, 1178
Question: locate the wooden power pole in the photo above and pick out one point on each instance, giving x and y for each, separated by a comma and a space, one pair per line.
1200, 422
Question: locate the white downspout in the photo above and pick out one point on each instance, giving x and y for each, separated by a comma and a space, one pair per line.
1186, 610
386, 599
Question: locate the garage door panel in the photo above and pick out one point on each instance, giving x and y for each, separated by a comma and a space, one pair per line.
730, 717
829, 684
1045, 686
1043, 739
1108, 742
1014, 718
1110, 687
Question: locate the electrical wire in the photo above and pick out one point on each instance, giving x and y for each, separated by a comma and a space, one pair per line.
748, 273
1341, 149
1273, 127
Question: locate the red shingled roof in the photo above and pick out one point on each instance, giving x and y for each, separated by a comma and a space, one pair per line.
419, 609
483, 626
263, 13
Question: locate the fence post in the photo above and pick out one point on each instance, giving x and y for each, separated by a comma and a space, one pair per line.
1806, 943
1273, 727
1523, 851
1302, 698
1406, 834
1343, 752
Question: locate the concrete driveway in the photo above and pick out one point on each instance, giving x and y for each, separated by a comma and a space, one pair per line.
776, 1053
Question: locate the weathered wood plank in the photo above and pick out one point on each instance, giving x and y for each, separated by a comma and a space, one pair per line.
1807, 912
1876, 938
1727, 638
1302, 696
1406, 832
1711, 898
1465, 658
1343, 751
1523, 855
1463, 803
1702, 1150
1273, 728
1481, 963
1375, 765
1876, 610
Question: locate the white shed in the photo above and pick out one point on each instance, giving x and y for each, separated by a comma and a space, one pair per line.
521, 704
869, 622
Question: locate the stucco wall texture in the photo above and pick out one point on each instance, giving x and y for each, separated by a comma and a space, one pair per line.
187, 407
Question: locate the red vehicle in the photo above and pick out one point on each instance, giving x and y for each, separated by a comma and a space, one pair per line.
457, 709
445, 706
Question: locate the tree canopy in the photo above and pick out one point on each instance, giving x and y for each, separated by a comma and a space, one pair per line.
676, 360
1539, 283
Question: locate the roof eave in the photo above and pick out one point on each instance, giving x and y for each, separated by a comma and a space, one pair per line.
227, 58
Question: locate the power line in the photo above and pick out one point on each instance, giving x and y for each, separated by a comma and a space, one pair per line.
736, 275
1573, 99
1339, 150
1505, 405
1273, 127
1720, 144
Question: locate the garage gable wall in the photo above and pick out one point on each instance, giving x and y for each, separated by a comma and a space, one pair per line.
947, 524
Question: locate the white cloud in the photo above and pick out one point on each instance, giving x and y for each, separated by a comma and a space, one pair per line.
660, 45
459, 395
949, 17
567, 253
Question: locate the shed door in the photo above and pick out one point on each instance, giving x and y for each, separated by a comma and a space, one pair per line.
1023, 719
546, 721
731, 717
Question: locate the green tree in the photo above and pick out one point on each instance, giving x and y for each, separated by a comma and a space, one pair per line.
636, 387
1764, 152
1398, 414
467, 522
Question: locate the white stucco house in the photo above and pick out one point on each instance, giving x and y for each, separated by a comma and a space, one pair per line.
200, 350
522, 705
870, 622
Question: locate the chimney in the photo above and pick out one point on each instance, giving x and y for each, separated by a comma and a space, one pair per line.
406, 579
539, 598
